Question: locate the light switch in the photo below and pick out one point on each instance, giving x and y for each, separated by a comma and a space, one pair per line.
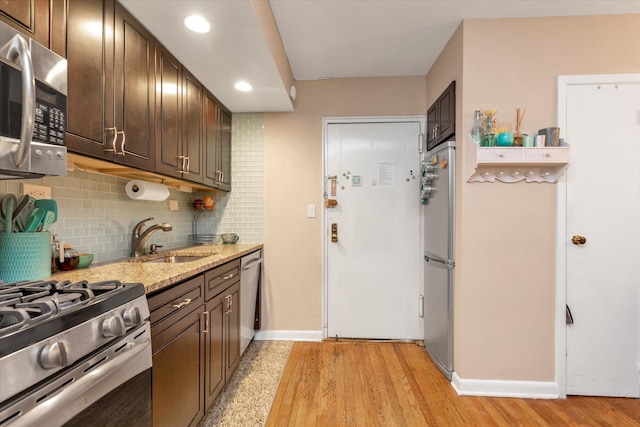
173, 205
311, 211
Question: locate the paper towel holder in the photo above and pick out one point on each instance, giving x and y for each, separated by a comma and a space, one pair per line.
143, 190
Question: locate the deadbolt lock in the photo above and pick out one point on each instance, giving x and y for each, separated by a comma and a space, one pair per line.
334, 233
578, 240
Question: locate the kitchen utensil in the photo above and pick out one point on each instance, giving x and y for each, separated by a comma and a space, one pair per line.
8, 203
17, 218
47, 220
48, 205
34, 220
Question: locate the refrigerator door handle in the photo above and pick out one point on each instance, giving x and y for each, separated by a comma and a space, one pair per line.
438, 262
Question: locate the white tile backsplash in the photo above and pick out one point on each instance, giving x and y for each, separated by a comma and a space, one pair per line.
96, 216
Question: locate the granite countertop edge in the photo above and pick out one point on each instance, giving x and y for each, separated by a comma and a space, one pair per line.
156, 276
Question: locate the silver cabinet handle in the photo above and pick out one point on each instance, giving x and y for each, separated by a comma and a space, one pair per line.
114, 148
230, 304
183, 303
188, 167
181, 160
206, 322
124, 137
228, 276
18, 50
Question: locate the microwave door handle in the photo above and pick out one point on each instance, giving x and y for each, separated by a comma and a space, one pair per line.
19, 50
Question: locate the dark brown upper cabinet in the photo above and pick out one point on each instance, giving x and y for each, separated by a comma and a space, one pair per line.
441, 117
217, 137
111, 90
179, 119
41, 20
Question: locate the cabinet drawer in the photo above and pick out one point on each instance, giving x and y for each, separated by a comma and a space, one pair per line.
220, 278
499, 155
169, 305
546, 155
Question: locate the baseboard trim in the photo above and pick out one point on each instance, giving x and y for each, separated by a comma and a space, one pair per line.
288, 336
501, 388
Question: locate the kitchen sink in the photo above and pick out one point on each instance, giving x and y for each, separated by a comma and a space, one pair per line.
174, 259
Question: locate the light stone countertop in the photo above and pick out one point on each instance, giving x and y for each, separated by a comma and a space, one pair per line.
155, 275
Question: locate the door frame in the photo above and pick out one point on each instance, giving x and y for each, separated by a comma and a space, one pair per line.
561, 220
326, 121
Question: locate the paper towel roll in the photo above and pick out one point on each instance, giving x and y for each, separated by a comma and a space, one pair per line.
142, 190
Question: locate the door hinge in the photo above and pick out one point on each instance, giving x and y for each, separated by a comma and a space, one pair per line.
421, 305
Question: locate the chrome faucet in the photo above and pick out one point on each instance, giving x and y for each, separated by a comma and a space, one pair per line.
138, 240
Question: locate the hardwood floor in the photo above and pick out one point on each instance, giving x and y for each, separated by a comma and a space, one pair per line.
395, 384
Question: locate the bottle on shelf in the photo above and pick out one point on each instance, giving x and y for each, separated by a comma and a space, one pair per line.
476, 130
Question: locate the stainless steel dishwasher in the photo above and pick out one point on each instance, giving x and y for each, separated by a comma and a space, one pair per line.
250, 267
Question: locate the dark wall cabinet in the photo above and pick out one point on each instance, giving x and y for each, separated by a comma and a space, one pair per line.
111, 98
41, 20
130, 100
195, 330
217, 137
441, 117
179, 119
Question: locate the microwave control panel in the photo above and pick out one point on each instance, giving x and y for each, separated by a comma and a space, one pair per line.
49, 124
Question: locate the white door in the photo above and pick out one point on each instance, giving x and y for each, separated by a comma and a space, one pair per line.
603, 206
374, 269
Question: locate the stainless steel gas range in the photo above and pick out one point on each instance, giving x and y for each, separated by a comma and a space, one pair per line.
74, 354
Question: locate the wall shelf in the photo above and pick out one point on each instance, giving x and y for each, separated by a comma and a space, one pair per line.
513, 164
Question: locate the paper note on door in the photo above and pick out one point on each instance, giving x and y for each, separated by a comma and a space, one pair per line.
385, 173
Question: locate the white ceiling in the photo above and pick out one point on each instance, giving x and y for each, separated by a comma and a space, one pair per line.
327, 38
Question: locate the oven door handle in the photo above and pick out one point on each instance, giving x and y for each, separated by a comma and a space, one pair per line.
18, 52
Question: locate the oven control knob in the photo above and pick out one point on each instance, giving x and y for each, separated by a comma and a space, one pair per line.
113, 326
132, 316
54, 355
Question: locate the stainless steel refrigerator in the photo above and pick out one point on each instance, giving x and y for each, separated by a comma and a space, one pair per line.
438, 198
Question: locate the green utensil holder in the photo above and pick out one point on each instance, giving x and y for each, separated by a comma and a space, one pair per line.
25, 256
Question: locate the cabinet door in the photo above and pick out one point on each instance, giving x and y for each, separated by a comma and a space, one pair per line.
225, 151
192, 128
58, 31
134, 90
232, 331
177, 380
90, 69
168, 111
214, 371
447, 113
432, 121
211, 140
31, 17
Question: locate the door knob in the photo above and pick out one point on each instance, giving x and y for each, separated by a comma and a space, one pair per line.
578, 240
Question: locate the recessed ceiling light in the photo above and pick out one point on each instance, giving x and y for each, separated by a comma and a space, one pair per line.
243, 86
197, 23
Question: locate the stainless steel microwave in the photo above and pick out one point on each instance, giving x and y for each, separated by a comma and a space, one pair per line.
33, 108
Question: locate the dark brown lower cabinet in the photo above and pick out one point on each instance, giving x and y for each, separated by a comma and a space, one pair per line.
177, 376
178, 334
223, 343
196, 345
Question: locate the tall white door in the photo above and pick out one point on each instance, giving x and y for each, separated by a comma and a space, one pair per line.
373, 270
603, 206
